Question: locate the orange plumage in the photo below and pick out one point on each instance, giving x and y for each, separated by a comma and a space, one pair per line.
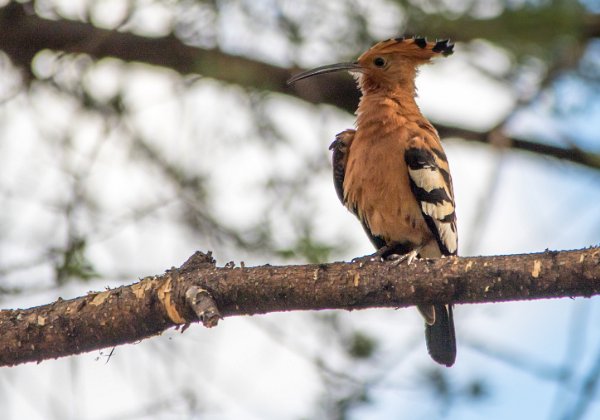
392, 172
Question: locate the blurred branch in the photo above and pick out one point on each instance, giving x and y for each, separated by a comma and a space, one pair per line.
199, 290
23, 34
573, 155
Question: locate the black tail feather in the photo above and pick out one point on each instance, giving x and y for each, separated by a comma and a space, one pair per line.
440, 339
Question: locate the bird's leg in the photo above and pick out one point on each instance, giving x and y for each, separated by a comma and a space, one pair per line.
397, 259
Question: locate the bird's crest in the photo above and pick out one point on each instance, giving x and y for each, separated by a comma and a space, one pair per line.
412, 47
372, 65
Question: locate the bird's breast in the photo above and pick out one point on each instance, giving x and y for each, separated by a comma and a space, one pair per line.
377, 188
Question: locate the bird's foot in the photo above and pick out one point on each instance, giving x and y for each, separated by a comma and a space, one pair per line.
376, 257
397, 259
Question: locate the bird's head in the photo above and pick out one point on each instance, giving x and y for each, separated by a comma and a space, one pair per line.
388, 65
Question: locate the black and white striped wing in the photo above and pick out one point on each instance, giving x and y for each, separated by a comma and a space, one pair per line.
432, 187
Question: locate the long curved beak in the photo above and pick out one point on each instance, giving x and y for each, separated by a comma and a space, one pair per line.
324, 69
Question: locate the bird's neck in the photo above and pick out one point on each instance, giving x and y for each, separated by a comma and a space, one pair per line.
377, 105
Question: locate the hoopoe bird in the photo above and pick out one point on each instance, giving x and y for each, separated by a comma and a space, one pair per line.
392, 172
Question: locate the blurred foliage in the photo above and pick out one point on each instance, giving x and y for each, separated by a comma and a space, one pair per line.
308, 248
361, 346
73, 264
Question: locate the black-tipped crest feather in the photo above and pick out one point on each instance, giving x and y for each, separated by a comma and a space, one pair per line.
420, 42
443, 47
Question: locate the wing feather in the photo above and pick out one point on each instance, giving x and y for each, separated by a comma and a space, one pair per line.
340, 148
432, 188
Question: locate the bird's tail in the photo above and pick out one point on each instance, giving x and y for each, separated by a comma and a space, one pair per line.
439, 336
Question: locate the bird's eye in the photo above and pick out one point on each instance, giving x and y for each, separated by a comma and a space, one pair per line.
379, 61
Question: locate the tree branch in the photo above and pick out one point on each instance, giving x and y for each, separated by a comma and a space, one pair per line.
23, 34
199, 290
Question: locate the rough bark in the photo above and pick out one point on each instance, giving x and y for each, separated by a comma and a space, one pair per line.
201, 291
23, 35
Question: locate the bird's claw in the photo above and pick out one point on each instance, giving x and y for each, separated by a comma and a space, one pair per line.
397, 259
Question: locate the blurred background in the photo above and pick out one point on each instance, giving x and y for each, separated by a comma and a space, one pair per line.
133, 133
